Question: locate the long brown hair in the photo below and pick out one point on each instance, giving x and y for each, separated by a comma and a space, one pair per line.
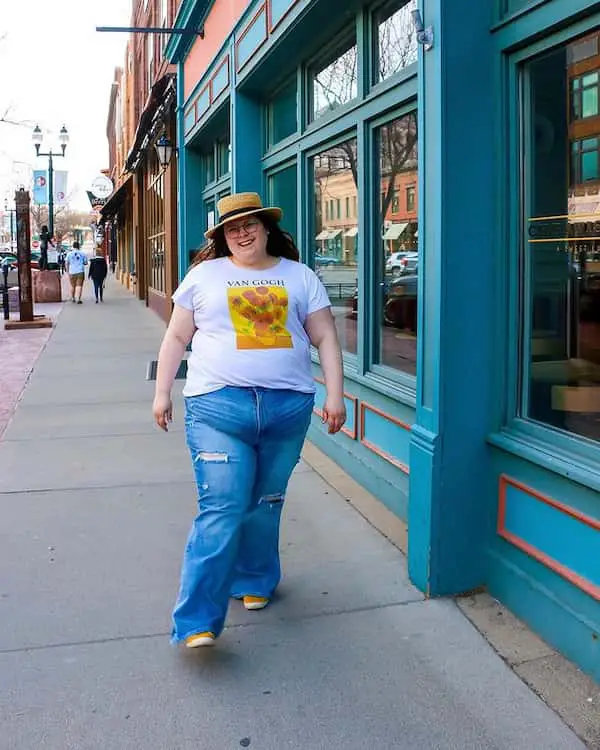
280, 244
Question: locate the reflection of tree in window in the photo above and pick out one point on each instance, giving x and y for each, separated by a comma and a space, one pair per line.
396, 44
335, 84
398, 153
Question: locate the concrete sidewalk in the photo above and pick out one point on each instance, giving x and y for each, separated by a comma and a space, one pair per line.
95, 505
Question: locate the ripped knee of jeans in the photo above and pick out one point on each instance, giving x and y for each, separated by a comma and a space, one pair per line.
211, 457
274, 500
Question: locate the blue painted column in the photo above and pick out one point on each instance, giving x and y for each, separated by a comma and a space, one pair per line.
450, 473
246, 143
191, 230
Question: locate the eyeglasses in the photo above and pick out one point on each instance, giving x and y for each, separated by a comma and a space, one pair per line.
247, 227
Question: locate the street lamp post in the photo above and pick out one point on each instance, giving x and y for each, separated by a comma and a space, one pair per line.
63, 138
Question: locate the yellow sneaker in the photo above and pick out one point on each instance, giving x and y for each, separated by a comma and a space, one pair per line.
200, 639
255, 602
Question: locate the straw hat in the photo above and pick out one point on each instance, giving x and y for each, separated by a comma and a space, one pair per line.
237, 206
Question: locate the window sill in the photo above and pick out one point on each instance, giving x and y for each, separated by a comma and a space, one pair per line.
530, 443
404, 394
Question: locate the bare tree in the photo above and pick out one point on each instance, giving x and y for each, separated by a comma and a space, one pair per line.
397, 42
398, 153
65, 220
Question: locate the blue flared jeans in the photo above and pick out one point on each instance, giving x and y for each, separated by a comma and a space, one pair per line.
244, 444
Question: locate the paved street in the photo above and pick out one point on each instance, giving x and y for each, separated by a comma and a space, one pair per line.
95, 506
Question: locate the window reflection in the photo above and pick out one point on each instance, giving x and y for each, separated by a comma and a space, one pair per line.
396, 260
396, 40
335, 83
336, 231
562, 259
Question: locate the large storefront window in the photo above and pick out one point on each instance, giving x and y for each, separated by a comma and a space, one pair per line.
396, 44
336, 230
155, 223
396, 260
562, 243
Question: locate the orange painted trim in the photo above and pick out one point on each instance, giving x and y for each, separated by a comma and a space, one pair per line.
271, 25
352, 434
249, 25
224, 61
562, 570
374, 448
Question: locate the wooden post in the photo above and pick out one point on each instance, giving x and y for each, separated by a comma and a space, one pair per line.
24, 256
26, 316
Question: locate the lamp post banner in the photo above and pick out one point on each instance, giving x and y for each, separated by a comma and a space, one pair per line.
40, 187
60, 187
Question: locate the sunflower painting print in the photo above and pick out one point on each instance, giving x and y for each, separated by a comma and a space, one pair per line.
259, 317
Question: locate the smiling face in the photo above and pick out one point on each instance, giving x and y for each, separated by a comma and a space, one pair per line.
247, 241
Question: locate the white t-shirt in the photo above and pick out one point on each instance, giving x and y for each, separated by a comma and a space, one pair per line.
250, 325
76, 261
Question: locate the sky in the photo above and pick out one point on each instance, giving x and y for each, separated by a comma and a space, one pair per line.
55, 70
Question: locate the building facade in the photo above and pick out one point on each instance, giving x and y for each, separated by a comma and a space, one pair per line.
471, 385
142, 212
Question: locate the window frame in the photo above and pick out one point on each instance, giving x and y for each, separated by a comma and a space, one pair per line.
318, 64
567, 454
373, 56
270, 145
350, 359
377, 370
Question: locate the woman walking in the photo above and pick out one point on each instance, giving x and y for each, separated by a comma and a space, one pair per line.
98, 272
251, 310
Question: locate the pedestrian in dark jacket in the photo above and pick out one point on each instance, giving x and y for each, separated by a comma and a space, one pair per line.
98, 272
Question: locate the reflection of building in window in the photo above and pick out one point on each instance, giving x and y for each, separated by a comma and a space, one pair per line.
584, 111
585, 166
398, 174
335, 186
584, 96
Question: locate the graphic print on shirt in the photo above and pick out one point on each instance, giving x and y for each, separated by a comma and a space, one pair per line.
259, 316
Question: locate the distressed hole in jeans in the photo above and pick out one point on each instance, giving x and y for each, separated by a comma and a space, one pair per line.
207, 457
271, 499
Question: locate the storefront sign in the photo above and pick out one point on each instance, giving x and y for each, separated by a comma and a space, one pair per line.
102, 186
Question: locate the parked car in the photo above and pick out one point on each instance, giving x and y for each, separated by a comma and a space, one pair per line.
402, 262
326, 260
400, 303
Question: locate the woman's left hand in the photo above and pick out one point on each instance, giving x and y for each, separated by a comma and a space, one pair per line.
334, 414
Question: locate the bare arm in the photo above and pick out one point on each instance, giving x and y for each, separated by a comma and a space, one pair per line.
320, 327
178, 335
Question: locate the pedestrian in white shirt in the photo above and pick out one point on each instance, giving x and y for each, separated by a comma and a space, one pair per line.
76, 262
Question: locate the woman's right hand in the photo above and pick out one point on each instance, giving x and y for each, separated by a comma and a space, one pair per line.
162, 408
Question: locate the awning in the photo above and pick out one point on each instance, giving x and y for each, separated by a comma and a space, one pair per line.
162, 98
113, 204
395, 231
352, 232
335, 233
322, 235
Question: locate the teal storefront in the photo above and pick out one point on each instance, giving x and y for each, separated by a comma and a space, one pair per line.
448, 195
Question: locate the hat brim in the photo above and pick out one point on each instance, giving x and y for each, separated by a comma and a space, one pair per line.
272, 211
